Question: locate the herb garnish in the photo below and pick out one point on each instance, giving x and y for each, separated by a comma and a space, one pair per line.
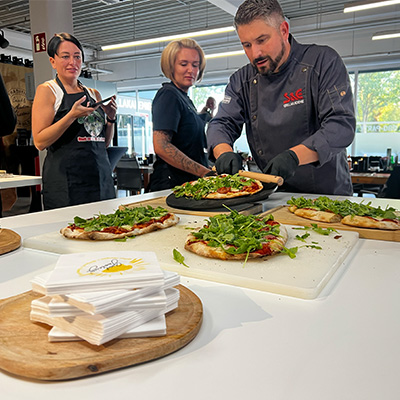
178, 257
303, 238
344, 207
124, 218
236, 233
317, 229
290, 252
202, 187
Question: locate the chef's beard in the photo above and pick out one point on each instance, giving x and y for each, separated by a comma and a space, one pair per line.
272, 65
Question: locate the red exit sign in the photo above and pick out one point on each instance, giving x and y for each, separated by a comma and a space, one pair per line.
39, 42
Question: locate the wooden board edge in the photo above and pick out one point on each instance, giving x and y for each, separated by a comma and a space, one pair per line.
14, 245
271, 211
53, 372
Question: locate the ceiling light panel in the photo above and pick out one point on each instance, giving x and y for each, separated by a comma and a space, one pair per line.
367, 5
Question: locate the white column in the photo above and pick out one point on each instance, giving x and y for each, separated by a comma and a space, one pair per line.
47, 17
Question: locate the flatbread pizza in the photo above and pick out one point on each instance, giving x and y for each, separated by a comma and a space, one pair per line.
350, 213
238, 237
124, 222
218, 187
371, 222
316, 215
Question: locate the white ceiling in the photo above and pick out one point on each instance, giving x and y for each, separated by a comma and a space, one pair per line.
102, 22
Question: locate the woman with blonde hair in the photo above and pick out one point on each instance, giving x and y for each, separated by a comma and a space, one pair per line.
178, 131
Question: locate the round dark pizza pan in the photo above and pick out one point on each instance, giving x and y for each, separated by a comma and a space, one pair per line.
187, 203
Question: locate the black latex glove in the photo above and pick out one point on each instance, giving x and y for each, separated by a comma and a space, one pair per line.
228, 163
284, 165
211, 173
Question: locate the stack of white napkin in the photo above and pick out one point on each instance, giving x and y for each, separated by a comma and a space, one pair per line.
78, 306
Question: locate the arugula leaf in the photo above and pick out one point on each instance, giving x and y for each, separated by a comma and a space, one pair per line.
124, 218
303, 238
312, 246
204, 186
316, 229
124, 239
178, 257
344, 207
236, 233
290, 252
323, 231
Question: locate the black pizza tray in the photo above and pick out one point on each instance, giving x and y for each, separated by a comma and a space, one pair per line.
187, 203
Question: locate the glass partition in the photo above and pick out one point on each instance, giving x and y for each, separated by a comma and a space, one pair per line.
377, 100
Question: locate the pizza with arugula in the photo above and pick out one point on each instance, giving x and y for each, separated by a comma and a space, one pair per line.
238, 237
124, 222
350, 213
218, 187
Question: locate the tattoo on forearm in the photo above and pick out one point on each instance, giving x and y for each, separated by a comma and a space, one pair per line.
173, 156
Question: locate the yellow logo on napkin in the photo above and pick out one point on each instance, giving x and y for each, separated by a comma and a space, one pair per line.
111, 265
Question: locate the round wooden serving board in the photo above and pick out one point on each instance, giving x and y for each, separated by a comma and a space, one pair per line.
25, 350
9, 240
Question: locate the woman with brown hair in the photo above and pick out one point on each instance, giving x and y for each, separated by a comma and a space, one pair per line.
74, 132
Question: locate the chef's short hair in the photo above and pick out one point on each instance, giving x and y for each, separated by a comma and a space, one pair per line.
268, 10
168, 56
57, 39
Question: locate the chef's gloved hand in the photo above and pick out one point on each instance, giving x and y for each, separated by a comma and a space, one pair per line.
229, 163
211, 173
284, 165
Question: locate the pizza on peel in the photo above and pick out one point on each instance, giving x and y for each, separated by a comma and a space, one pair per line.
350, 213
124, 222
218, 187
238, 237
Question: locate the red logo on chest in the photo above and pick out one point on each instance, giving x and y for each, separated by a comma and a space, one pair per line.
298, 95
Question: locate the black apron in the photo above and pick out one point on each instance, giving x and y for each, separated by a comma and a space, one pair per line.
77, 169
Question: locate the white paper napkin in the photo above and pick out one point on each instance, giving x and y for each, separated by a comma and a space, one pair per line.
101, 328
104, 270
154, 328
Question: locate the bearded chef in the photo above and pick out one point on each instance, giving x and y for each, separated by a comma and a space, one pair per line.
295, 101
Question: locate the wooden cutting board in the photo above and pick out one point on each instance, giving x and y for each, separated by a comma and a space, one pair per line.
25, 350
245, 209
284, 216
9, 240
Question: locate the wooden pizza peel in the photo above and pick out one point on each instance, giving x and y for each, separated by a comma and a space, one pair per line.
25, 350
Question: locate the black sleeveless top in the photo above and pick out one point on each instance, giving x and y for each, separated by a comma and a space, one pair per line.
76, 168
